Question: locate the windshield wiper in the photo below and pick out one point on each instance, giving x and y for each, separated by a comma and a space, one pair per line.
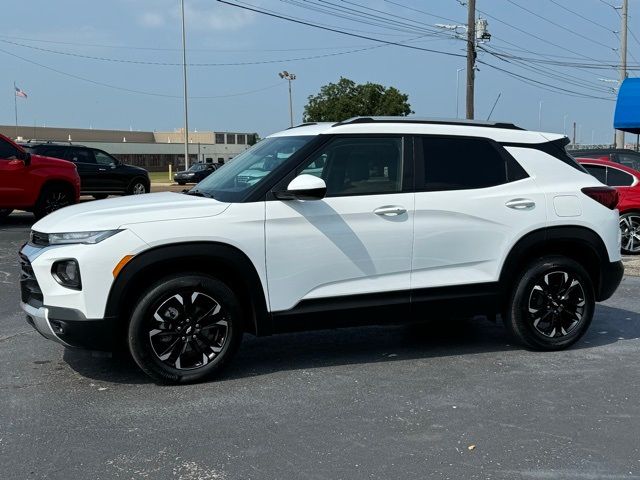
198, 193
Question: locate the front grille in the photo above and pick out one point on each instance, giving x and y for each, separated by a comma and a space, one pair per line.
29, 288
39, 239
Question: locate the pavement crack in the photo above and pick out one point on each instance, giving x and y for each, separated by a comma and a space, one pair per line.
9, 337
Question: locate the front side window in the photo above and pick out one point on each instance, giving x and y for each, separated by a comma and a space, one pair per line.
237, 179
7, 151
103, 159
462, 163
618, 178
80, 155
358, 166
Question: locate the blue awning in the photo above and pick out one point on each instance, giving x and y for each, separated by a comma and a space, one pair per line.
627, 116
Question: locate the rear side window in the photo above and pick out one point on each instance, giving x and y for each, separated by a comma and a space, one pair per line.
54, 152
597, 171
618, 178
462, 163
80, 155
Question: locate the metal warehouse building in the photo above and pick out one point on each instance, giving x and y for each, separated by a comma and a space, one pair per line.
154, 151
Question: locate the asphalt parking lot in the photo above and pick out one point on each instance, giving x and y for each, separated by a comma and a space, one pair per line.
455, 401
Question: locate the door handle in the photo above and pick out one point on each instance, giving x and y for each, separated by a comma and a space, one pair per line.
521, 204
390, 210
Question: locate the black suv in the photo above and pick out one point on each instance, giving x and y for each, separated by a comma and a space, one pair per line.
195, 174
624, 156
101, 174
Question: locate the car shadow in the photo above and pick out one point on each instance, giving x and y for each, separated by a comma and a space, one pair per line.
364, 345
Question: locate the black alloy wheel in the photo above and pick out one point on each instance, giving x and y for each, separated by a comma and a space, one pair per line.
552, 304
185, 328
52, 199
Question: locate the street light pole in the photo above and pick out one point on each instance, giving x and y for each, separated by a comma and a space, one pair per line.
289, 77
458, 90
186, 101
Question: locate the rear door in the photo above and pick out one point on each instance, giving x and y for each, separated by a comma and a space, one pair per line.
352, 248
473, 202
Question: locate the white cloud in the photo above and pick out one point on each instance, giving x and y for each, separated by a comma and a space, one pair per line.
152, 19
199, 15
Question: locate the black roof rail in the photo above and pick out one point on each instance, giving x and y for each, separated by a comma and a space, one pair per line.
305, 124
430, 121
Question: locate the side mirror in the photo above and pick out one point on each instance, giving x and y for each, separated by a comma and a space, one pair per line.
26, 158
304, 187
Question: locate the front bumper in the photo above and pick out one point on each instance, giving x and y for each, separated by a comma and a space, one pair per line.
70, 328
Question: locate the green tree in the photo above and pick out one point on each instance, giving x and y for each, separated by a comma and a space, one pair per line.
346, 99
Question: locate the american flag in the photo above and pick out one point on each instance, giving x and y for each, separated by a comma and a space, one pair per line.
20, 92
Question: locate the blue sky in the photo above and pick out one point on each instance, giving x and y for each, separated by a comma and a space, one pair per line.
123, 31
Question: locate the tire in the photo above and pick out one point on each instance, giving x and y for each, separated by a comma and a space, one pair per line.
551, 305
100, 196
52, 198
5, 212
138, 187
630, 230
169, 356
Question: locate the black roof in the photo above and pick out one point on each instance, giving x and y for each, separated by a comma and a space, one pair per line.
432, 121
39, 143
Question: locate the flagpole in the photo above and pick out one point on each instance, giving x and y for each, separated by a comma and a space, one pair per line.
15, 106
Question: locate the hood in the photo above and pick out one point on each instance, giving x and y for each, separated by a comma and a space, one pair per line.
184, 172
114, 213
41, 161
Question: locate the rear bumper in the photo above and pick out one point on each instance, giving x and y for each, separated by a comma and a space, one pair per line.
610, 277
70, 328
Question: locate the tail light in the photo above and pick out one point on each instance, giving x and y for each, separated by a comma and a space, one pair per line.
606, 196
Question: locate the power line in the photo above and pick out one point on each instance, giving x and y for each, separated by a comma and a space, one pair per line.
335, 30
170, 64
577, 14
560, 26
130, 90
424, 12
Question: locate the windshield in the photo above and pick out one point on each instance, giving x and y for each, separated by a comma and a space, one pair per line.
196, 167
236, 179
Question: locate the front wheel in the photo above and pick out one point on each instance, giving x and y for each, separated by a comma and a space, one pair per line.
552, 304
137, 187
185, 328
630, 230
51, 199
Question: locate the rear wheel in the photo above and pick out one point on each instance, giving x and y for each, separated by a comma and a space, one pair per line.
185, 328
630, 229
552, 304
52, 198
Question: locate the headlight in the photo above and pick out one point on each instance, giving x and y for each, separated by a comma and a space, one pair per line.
80, 237
190, 174
67, 273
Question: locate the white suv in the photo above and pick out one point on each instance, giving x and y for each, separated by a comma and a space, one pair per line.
369, 220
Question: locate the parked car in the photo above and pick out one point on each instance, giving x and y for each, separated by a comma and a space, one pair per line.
33, 182
101, 174
369, 220
196, 173
627, 181
625, 156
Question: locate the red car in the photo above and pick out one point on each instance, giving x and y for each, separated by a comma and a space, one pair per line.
33, 182
627, 181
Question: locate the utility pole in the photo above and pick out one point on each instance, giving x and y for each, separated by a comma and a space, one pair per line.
623, 61
574, 133
471, 56
458, 91
186, 101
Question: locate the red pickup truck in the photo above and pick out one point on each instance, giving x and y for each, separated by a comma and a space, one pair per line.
33, 182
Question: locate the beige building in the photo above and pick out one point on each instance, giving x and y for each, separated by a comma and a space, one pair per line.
154, 151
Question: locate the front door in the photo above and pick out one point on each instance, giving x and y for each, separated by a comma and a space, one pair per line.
13, 177
352, 248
